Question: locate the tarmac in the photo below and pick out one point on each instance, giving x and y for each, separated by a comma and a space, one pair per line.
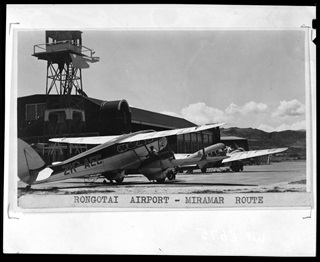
276, 177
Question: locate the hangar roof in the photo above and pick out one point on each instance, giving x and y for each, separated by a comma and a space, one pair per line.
94, 100
138, 116
152, 118
141, 116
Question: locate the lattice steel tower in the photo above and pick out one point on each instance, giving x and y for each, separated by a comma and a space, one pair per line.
66, 56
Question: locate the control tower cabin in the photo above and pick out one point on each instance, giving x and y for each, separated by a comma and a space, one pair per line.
64, 113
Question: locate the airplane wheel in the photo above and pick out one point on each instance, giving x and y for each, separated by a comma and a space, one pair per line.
236, 166
28, 187
204, 169
119, 180
170, 175
160, 181
235, 169
241, 166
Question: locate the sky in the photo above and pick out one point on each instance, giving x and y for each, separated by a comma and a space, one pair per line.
246, 78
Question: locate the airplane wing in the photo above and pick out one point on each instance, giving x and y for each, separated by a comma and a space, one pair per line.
190, 161
92, 140
133, 137
254, 153
171, 132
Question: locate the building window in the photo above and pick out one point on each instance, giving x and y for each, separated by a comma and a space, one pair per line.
34, 111
210, 139
206, 140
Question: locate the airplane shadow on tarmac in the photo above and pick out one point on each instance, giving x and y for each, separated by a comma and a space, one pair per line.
267, 171
54, 188
213, 184
172, 183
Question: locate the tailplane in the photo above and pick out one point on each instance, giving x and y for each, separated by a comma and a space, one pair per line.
29, 162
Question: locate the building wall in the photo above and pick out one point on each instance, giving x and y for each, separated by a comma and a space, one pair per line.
233, 143
115, 118
190, 143
187, 143
109, 120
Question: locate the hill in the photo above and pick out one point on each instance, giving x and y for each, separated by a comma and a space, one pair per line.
258, 139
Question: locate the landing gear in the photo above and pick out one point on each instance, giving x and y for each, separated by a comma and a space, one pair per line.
204, 170
105, 182
171, 175
119, 180
161, 181
114, 177
237, 166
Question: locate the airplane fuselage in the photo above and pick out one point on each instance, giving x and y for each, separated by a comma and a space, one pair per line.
108, 161
146, 151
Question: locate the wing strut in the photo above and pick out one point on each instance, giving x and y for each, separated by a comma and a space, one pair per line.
203, 149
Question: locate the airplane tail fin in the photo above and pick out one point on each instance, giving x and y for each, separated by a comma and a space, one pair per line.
29, 162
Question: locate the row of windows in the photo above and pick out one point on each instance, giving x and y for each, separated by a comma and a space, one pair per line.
195, 137
190, 143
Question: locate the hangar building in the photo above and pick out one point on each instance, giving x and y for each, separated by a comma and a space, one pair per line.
235, 141
107, 118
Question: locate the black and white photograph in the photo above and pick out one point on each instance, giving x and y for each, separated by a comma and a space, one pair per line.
151, 118
161, 112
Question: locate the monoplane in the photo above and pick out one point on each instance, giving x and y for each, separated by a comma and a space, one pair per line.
233, 160
145, 151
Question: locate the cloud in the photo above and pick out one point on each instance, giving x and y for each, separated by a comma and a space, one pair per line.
200, 114
253, 107
233, 109
251, 114
295, 126
247, 108
266, 128
290, 108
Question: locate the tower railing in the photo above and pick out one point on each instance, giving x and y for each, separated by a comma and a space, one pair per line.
63, 45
